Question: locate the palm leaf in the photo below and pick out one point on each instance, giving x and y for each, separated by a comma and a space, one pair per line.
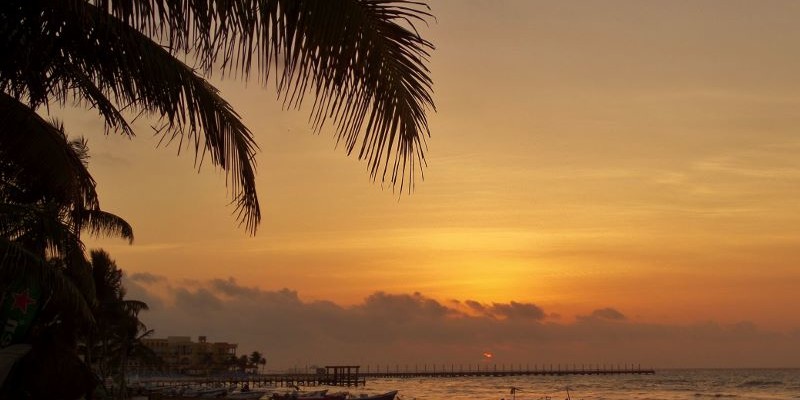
362, 59
101, 223
134, 307
17, 261
103, 59
40, 228
366, 65
39, 154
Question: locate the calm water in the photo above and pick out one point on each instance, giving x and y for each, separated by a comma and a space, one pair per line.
667, 384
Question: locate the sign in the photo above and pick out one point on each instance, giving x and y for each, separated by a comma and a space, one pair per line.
18, 309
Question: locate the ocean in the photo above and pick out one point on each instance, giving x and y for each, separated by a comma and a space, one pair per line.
695, 384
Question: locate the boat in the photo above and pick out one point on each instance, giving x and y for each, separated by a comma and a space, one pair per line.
385, 396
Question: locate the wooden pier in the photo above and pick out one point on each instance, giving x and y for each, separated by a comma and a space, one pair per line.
332, 375
478, 370
351, 375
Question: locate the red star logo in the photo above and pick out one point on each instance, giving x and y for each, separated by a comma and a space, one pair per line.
22, 300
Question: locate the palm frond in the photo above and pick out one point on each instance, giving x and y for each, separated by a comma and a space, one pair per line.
77, 268
107, 277
42, 156
366, 65
40, 228
101, 223
363, 60
71, 77
135, 70
17, 261
99, 58
134, 307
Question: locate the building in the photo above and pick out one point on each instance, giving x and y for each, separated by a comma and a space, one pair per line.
181, 354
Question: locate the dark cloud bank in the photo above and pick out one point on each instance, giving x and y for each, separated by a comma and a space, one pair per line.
414, 329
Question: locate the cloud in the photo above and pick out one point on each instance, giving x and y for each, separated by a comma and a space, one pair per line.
514, 310
405, 306
476, 306
413, 328
200, 301
510, 310
603, 314
231, 288
135, 289
146, 277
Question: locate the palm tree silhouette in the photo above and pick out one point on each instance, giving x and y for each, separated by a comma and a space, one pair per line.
117, 332
362, 60
257, 359
47, 199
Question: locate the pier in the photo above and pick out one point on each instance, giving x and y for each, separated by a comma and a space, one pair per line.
337, 375
478, 370
353, 375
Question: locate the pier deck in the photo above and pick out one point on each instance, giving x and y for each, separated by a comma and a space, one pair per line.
499, 372
353, 377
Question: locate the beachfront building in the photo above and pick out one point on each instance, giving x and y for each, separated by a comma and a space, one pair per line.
181, 355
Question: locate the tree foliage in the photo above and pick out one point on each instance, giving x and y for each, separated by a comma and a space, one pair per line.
362, 60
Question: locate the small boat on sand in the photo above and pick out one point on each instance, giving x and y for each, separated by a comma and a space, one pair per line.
384, 396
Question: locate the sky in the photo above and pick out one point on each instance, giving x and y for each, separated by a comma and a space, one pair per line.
607, 182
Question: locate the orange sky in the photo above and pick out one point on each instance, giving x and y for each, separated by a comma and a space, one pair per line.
625, 154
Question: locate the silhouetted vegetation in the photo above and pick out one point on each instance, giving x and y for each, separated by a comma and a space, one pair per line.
116, 336
362, 60
257, 360
55, 299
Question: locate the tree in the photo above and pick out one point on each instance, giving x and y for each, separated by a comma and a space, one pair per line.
117, 333
257, 359
243, 363
363, 61
47, 199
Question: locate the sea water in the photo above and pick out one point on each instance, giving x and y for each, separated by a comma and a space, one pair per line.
696, 384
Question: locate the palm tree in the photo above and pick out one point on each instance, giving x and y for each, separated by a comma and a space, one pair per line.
47, 199
257, 359
243, 363
363, 61
117, 331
